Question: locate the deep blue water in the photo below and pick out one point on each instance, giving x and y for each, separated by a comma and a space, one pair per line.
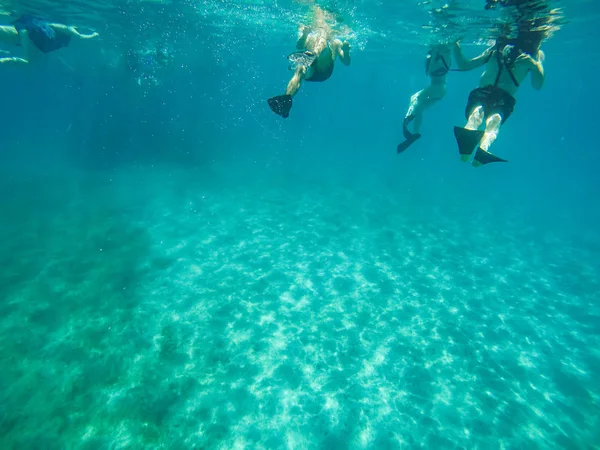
184, 269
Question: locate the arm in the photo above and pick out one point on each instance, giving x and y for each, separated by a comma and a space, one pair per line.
537, 71
303, 32
535, 67
343, 51
469, 64
12, 59
73, 31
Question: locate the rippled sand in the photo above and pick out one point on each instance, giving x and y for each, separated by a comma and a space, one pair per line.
155, 310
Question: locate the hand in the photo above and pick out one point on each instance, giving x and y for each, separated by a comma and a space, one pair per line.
85, 36
541, 56
506, 51
302, 30
345, 45
526, 58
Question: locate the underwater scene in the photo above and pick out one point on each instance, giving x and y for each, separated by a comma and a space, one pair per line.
299, 224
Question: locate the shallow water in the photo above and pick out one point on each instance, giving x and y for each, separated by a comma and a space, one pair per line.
183, 269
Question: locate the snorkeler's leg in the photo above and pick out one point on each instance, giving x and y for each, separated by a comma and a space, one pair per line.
492, 127
414, 109
319, 17
483, 156
294, 84
317, 42
468, 137
282, 104
414, 116
419, 102
475, 119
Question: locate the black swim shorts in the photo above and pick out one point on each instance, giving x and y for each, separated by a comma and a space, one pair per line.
494, 101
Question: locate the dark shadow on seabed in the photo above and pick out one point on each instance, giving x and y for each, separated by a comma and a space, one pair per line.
72, 260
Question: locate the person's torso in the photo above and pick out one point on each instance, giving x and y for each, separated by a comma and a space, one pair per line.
504, 76
45, 38
438, 63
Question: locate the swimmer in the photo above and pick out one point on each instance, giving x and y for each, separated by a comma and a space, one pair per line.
317, 50
508, 63
37, 36
148, 63
437, 66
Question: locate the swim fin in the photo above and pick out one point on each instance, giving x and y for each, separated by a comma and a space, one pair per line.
482, 157
408, 142
281, 105
467, 140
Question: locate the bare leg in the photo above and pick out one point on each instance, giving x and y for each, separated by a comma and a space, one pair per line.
422, 100
319, 18
294, 84
316, 41
415, 110
475, 119
473, 123
492, 126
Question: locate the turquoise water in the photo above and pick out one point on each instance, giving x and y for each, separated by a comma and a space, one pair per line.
184, 269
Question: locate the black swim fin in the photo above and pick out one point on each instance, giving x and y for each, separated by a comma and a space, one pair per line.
467, 140
281, 105
482, 157
408, 142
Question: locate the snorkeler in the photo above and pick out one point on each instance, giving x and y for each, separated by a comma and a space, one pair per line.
38, 36
317, 50
146, 64
519, 5
437, 66
509, 62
